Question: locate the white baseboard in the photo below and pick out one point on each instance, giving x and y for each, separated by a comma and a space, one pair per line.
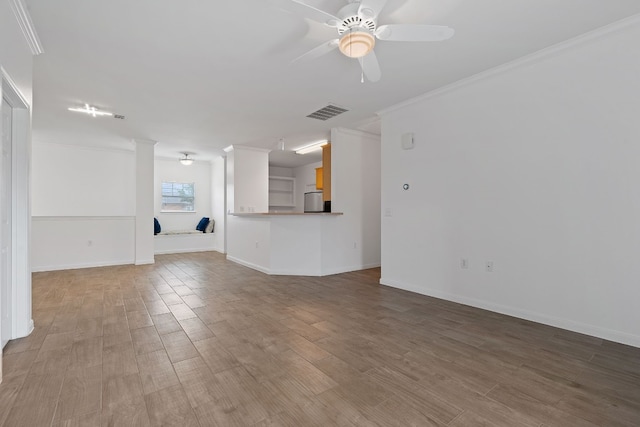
568, 324
248, 264
184, 250
38, 269
340, 270
145, 261
294, 272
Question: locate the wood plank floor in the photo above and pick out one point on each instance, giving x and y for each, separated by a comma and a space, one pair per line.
195, 340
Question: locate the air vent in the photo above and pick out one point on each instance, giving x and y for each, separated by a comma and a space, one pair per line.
118, 116
327, 112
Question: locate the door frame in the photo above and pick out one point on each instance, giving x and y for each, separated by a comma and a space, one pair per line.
22, 323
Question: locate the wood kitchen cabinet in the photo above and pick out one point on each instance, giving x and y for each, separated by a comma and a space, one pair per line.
319, 179
326, 172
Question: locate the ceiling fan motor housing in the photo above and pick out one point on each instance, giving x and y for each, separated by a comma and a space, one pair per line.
351, 20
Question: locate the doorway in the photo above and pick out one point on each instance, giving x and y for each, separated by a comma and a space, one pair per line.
15, 212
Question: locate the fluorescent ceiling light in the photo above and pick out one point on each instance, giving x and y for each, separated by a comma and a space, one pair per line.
311, 147
186, 160
90, 110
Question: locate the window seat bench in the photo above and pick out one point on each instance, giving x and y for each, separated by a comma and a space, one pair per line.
179, 241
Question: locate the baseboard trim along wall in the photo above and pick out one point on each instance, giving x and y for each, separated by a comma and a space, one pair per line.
300, 272
248, 264
39, 269
185, 250
582, 328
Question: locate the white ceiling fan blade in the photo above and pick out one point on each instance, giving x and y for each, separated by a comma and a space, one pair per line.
318, 51
307, 11
370, 67
414, 33
370, 8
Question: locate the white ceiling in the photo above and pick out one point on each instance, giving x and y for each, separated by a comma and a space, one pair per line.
197, 76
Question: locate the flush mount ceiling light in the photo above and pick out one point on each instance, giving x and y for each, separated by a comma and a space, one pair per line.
311, 147
186, 160
88, 109
357, 43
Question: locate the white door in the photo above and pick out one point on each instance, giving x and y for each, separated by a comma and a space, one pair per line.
5, 226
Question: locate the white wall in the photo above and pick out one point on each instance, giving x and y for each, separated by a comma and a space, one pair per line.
535, 168
200, 173
248, 180
61, 243
218, 198
355, 191
83, 205
248, 241
305, 182
81, 181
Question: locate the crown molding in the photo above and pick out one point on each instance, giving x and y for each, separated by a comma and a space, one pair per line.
520, 62
357, 132
13, 91
144, 141
26, 25
247, 148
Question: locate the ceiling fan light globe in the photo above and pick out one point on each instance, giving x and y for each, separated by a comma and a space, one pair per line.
186, 160
357, 44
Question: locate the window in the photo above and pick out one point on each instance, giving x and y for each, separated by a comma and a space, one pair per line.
178, 197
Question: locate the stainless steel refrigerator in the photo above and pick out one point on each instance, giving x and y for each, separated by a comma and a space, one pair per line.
313, 202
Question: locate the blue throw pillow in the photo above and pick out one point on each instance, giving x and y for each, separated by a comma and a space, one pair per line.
202, 224
156, 226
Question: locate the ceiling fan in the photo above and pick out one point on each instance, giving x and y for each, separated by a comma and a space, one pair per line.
357, 27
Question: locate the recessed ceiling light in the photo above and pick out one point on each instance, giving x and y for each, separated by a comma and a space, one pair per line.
88, 109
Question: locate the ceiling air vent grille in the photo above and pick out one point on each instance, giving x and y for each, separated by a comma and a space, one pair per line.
118, 116
327, 112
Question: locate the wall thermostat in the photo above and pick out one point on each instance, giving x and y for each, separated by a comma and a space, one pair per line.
405, 187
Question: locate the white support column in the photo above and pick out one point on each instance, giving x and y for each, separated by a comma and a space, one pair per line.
144, 201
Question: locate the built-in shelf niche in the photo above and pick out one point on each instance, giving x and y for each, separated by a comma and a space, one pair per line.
282, 190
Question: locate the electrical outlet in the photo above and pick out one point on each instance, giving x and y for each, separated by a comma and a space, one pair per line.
387, 212
489, 266
90, 243
355, 245
464, 263
257, 244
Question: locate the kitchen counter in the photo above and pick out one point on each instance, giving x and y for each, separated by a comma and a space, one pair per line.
291, 243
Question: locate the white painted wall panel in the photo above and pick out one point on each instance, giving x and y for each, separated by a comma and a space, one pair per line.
534, 168
248, 242
219, 207
353, 242
80, 181
60, 243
